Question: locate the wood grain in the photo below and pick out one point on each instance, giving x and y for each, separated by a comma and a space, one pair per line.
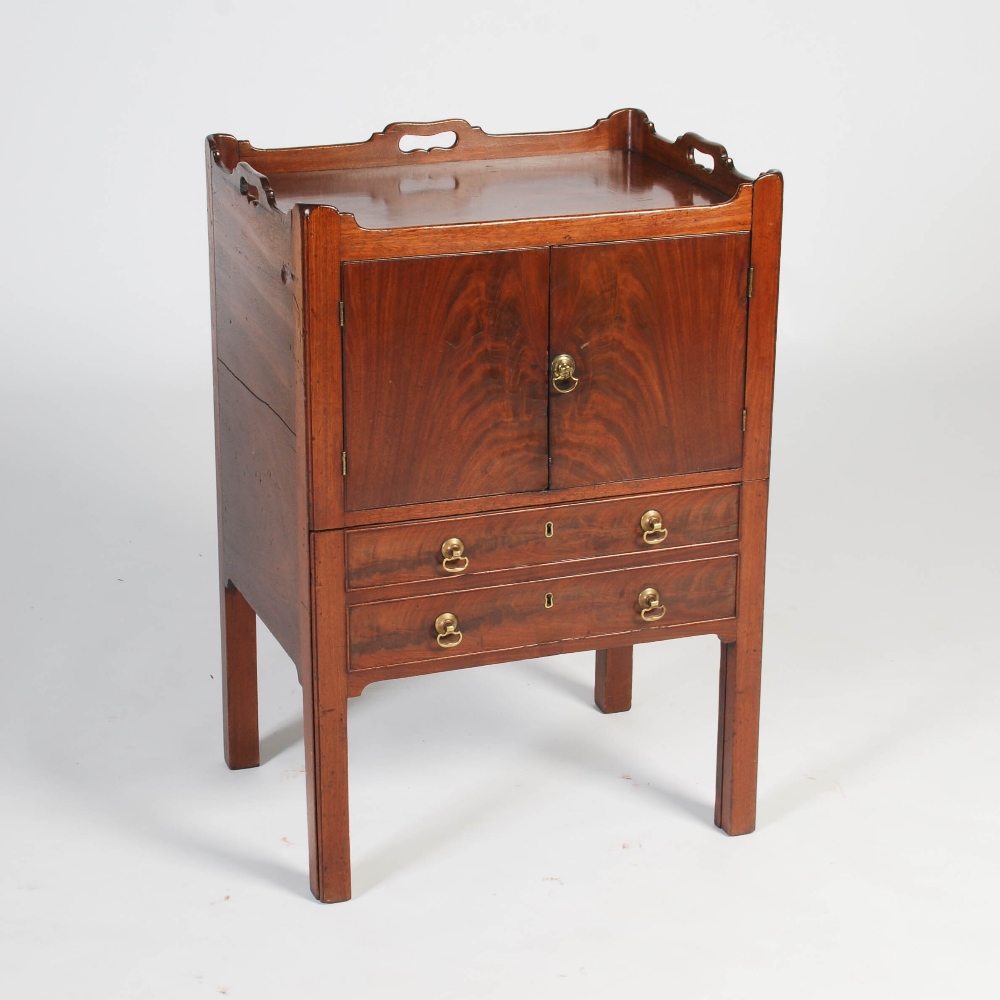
261, 484
740, 673
254, 308
613, 679
679, 155
739, 682
466, 192
363, 244
498, 619
544, 571
243, 415
239, 681
319, 246
626, 129
445, 377
617, 180
260, 496
723, 766
762, 324
324, 695
724, 628
303, 439
497, 541
538, 498
658, 333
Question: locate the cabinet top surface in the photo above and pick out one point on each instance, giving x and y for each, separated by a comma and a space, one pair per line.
618, 165
494, 190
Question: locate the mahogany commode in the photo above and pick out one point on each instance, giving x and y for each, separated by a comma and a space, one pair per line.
502, 398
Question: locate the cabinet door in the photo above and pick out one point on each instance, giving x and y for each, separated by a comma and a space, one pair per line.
657, 330
445, 380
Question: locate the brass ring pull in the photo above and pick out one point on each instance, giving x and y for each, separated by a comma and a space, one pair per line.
446, 626
453, 556
563, 373
650, 608
653, 531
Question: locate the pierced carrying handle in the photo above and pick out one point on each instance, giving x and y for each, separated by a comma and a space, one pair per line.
393, 139
691, 141
255, 187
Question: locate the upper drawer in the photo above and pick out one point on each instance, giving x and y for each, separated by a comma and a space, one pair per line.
411, 552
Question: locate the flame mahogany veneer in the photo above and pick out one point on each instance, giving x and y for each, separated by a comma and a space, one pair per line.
503, 399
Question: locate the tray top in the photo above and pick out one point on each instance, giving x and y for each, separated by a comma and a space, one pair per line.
494, 190
618, 165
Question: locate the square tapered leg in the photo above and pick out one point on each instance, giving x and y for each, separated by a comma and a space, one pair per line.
613, 680
239, 680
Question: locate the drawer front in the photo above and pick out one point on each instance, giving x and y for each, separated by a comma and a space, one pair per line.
515, 616
414, 551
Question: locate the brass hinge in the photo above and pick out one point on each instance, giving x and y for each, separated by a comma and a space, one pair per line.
343, 460
342, 309
749, 290
744, 421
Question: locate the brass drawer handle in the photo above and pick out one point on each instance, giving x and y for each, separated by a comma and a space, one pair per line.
446, 626
651, 524
563, 373
453, 555
649, 606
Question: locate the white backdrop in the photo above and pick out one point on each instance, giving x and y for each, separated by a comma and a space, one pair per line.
484, 803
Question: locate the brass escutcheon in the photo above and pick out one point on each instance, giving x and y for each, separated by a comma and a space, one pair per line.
651, 524
563, 373
446, 626
549, 600
453, 555
550, 529
650, 608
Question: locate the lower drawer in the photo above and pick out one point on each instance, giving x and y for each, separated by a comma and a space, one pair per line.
521, 615
401, 553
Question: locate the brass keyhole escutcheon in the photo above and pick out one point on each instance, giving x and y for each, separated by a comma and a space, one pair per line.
453, 557
550, 529
651, 524
549, 600
564, 373
650, 608
446, 626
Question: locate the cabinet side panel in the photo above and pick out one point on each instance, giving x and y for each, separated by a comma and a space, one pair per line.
259, 510
253, 295
259, 410
762, 323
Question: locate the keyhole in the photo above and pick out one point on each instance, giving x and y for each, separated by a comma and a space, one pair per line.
548, 600
549, 529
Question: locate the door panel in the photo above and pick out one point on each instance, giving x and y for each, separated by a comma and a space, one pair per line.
657, 329
445, 382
